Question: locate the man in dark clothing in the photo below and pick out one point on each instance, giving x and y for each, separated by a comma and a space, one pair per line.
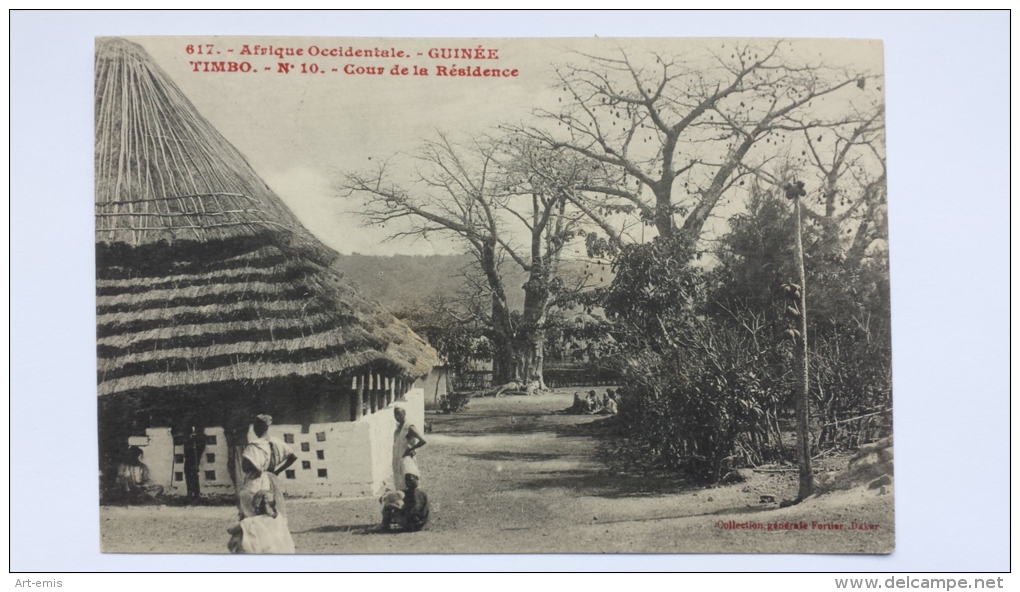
194, 446
414, 515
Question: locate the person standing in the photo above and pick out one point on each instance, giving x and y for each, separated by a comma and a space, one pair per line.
406, 439
194, 447
262, 460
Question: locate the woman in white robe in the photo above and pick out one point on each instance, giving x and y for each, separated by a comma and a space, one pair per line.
263, 526
406, 439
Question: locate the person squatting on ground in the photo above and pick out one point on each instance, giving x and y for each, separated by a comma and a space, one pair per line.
260, 496
406, 439
406, 510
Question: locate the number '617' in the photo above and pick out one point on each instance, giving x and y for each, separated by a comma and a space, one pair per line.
199, 49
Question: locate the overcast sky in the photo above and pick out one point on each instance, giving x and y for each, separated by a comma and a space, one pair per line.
298, 130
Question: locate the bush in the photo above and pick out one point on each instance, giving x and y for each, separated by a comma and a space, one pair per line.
708, 373
453, 402
703, 408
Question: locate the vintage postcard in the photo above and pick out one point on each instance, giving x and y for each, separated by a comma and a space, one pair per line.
492, 295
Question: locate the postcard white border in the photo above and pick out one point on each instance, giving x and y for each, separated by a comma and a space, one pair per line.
948, 153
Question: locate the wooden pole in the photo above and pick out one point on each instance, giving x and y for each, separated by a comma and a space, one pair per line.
359, 399
390, 396
372, 391
350, 397
803, 404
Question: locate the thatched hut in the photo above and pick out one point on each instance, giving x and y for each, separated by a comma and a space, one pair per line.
214, 303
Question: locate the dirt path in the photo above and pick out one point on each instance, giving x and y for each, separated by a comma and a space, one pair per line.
510, 475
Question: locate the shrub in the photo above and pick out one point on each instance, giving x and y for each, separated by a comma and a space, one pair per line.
454, 402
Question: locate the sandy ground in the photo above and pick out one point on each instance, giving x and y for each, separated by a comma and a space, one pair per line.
510, 475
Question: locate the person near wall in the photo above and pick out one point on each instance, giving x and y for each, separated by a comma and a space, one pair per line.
133, 481
194, 447
406, 439
407, 510
262, 460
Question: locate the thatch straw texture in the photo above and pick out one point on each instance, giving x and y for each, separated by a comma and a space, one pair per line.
204, 275
162, 171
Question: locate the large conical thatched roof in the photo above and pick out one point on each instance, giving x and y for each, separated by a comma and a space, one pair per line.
204, 274
163, 173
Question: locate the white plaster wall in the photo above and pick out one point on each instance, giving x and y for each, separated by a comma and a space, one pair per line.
435, 385
347, 453
220, 451
357, 457
414, 402
166, 469
158, 455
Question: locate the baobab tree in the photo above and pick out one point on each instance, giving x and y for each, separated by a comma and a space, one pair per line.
492, 195
545, 183
673, 135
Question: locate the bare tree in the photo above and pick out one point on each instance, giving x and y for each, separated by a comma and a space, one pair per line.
672, 135
490, 194
845, 162
546, 181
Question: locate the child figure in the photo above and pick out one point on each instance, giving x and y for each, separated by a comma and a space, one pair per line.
266, 532
392, 503
265, 503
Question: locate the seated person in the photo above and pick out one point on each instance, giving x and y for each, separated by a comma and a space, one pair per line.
133, 480
409, 511
577, 406
392, 503
608, 405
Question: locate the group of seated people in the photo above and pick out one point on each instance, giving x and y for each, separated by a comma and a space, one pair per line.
592, 405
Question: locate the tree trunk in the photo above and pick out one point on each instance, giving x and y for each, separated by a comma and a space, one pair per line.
664, 222
503, 365
533, 358
536, 307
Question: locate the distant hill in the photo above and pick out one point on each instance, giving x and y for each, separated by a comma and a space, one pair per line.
399, 281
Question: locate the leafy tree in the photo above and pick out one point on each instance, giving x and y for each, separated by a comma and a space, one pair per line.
454, 334
708, 368
695, 398
848, 330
